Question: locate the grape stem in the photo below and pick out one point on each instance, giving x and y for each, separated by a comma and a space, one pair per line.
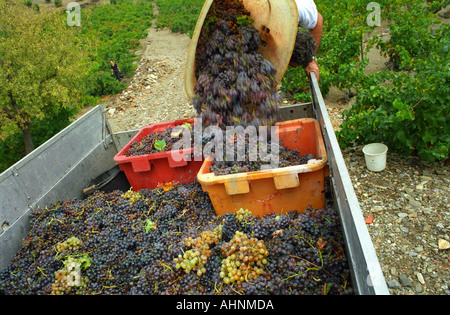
237, 292
293, 256
53, 219
166, 267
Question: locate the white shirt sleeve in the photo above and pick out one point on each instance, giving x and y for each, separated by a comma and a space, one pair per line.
307, 13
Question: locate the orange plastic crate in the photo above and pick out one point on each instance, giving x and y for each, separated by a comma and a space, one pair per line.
277, 190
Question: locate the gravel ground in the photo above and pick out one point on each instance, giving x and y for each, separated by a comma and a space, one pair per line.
406, 206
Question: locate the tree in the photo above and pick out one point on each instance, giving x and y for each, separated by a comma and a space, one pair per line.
41, 64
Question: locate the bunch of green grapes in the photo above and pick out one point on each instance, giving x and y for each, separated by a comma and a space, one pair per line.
67, 277
71, 243
196, 258
132, 196
242, 214
245, 259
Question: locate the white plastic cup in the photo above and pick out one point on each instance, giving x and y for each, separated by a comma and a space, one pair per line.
375, 156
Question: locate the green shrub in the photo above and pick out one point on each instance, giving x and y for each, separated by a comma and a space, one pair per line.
103, 83
412, 36
408, 109
179, 15
117, 29
410, 114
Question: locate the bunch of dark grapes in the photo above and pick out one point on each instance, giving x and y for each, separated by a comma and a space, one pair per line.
305, 263
304, 49
211, 277
132, 243
154, 278
150, 143
235, 84
320, 222
241, 155
270, 224
230, 226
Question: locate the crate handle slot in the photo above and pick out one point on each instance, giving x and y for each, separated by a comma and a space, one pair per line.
141, 165
177, 159
234, 187
286, 181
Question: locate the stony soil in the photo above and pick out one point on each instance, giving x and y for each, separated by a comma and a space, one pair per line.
406, 206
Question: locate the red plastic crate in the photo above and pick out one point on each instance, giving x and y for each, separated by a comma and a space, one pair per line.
150, 171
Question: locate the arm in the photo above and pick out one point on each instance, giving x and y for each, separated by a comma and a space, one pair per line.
317, 34
317, 31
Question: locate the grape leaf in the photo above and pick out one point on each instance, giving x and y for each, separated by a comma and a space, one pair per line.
149, 226
245, 20
85, 261
160, 145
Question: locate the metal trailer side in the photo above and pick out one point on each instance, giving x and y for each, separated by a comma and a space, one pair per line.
56, 170
63, 166
366, 269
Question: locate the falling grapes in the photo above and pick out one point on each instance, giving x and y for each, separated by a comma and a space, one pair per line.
235, 84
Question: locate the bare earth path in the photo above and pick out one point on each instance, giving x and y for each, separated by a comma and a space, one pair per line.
156, 92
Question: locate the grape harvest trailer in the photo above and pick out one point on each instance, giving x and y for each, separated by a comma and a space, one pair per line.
66, 164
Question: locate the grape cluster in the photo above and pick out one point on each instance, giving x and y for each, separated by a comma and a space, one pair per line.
71, 243
270, 224
304, 49
230, 226
244, 215
235, 84
103, 245
67, 278
232, 163
196, 258
131, 196
245, 259
156, 142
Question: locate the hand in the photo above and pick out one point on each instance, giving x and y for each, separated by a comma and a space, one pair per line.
313, 67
